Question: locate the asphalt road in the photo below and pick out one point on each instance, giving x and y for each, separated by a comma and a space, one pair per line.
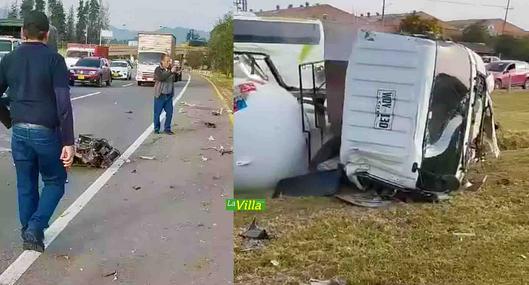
177, 216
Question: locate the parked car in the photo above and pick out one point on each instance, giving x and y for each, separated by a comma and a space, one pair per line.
121, 70
489, 59
505, 71
91, 70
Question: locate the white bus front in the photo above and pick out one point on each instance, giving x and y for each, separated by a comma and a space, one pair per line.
288, 42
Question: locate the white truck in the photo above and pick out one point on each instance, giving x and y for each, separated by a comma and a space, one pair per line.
8, 44
74, 52
151, 47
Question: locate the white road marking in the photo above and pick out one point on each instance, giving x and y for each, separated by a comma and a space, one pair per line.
11, 275
127, 85
84, 96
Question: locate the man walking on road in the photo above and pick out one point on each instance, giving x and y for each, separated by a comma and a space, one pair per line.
43, 137
164, 77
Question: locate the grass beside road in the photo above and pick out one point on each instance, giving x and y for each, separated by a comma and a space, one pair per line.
407, 243
224, 84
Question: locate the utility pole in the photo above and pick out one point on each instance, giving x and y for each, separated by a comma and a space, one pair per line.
241, 5
383, 11
506, 14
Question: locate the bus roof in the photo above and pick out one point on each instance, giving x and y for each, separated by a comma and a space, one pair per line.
276, 19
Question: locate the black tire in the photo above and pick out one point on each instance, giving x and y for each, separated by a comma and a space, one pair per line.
497, 84
139, 83
72, 83
526, 84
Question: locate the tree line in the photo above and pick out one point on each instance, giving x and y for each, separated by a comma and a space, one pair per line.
507, 46
82, 24
220, 46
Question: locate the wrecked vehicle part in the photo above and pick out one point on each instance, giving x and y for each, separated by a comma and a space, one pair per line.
322, 183
255, 232
94, 152
268, 145
406, 128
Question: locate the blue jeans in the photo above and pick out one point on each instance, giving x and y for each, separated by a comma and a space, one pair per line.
165, 103
37, 150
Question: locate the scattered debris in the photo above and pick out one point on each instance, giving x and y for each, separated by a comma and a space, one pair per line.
464, 234
274, 262
328, 282
243, 162
475, 186
253, 244
171, 187
369, 199
94, 152
134, 171
65, 256
210, 125
523, 256
220, 149
504, 182
216, 177
136, 188
211, 138
111, 273
181, 111
187, 104
254, 232
204, 158
217, 113
148, 157
129, 112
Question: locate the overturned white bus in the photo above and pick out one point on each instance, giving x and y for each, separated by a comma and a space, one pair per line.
417, 113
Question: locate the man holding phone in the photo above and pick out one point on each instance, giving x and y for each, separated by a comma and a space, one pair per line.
42, 122
164, 78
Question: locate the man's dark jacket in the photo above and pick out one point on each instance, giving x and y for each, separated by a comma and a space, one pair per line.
37, 78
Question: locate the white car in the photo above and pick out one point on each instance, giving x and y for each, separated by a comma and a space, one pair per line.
121, 70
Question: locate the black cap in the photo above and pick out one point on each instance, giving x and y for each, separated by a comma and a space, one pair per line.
37, 20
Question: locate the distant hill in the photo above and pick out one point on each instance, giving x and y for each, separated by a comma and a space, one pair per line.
179, 32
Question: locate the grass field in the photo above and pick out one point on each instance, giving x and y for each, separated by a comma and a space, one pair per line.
406, 243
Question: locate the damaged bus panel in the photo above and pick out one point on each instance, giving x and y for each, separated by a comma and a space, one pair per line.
417, 113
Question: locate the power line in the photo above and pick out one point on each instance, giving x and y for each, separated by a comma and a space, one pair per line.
470, 4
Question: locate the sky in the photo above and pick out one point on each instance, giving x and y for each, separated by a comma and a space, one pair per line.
442, 9
151, 14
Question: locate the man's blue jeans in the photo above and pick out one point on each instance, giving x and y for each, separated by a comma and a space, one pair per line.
37, 150
165, 103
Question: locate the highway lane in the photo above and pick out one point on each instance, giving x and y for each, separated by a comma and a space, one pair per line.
106, 113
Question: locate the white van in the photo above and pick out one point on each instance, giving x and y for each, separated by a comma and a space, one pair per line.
416, 113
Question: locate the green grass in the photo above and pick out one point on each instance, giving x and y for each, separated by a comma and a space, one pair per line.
407, 243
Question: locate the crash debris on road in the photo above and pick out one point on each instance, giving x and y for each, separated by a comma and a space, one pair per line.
94, 152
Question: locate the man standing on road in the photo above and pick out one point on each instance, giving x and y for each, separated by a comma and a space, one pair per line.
164, 77
43, 137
